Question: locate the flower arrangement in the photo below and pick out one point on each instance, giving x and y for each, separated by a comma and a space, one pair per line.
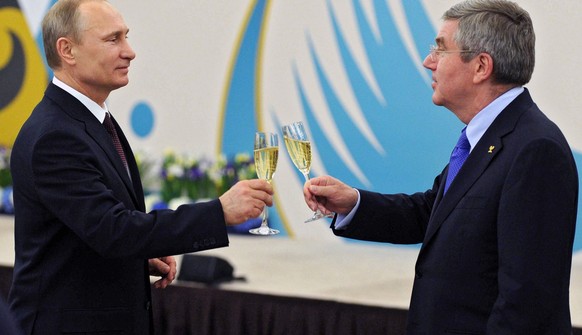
184, 179
6, 200
5, 176
230, 171
191, 179
146, 166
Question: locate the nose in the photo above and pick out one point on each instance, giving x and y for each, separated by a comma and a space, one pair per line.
128, 51
429, 63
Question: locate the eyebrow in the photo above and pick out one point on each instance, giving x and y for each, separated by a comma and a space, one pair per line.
117, 33
440, 41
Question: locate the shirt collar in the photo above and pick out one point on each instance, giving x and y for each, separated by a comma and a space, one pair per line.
481, 122
92, 106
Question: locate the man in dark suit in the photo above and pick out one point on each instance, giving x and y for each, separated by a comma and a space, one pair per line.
84, 245
497, 243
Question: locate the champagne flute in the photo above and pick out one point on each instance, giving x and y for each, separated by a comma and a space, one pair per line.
266, 154
299, 149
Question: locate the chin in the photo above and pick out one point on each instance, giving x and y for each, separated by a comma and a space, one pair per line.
120, 84
437, 101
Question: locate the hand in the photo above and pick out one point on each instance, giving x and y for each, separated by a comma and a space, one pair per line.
164, 267
329, 195
245, 200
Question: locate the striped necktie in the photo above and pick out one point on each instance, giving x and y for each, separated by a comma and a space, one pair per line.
108, 123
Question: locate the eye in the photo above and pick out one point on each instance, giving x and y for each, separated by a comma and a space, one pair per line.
436, 49
114, 38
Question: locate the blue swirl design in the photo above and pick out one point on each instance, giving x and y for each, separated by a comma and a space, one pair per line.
240, 115
415, 136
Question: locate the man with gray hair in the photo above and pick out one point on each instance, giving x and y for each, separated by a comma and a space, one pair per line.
497, 226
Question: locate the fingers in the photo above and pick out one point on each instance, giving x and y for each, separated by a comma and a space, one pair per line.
171, 262
164, 267
157, 267
309, 198
315, 192
329, 195
256, 184
162, 283
324, 186
245, 200
324, 181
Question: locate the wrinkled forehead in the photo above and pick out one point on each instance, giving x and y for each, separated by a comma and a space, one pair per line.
446, 35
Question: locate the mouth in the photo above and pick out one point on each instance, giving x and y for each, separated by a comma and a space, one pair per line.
123, 68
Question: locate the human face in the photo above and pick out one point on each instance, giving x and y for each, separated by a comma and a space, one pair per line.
452, 77
102, 56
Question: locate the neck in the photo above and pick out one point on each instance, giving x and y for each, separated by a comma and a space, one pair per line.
98, 97
481, 100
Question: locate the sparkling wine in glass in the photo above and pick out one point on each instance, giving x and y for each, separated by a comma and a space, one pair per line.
266, 155
299, 149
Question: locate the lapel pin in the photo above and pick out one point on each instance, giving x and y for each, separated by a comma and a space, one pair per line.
491, 148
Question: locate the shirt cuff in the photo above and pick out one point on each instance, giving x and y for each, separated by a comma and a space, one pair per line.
343, 220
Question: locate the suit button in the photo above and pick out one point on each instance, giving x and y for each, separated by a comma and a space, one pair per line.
418, 275
148, 305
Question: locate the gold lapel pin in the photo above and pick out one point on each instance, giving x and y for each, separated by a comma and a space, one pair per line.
491, 148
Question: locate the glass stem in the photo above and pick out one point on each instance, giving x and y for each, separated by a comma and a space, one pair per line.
265, 216
306, 175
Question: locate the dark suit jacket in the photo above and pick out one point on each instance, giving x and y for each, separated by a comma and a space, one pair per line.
497, 248
7, 323
82, 238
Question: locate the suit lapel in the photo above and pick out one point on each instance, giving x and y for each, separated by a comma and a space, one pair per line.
472, 169
99, 134
488, 147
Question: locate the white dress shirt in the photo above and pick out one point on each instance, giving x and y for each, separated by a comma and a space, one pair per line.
91, 105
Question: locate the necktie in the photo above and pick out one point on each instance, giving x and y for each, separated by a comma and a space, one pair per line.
108, 123
458, 157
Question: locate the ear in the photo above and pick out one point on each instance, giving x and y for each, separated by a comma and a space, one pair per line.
483, 67
66, 50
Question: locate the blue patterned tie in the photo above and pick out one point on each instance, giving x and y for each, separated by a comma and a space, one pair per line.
458, 157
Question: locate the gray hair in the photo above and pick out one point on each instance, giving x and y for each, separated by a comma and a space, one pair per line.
501, 29
62, 20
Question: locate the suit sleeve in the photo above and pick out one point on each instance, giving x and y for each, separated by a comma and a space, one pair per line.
535, 229
82, 190
395, 218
